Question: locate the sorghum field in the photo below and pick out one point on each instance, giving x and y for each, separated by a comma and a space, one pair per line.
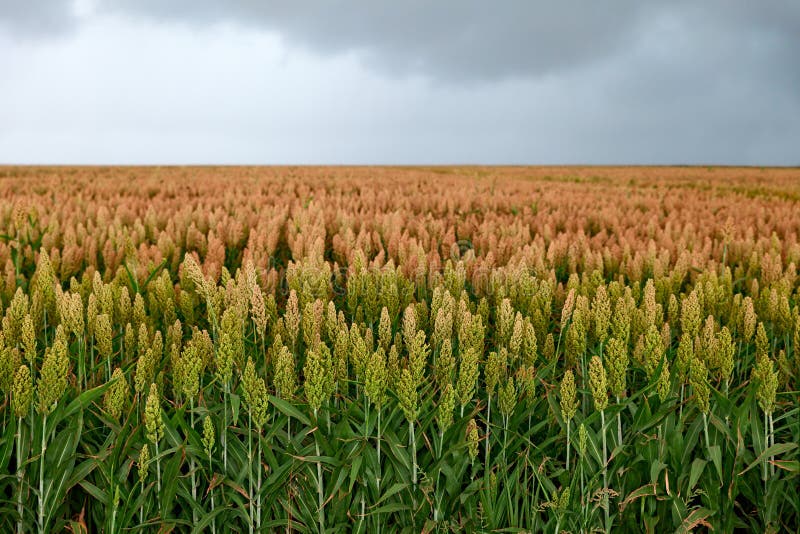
399, 349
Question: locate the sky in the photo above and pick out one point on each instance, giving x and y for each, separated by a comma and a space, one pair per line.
412, 82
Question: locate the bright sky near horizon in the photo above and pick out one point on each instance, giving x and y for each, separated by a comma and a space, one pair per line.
418, 82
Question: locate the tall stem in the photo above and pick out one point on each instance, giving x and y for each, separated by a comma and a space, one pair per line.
379, 443
192, 464
211, 491
250, 466
766, 446
41, 473
20, 474
224, 436
771, 444
568, 444
158, 470
619, 426
258, 483
488, 423
413, 438
320, 489
605, 468
141, 507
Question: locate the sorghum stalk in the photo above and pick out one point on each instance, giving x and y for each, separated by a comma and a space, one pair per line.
772, 443
22, 394
598, 385
569, 403
320, 490
191, 462
20, 474
250, 466
605, 466
41, 473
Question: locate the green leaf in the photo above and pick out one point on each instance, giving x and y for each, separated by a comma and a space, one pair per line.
697, 469
716, 457
235, 403
289, 410
775, 450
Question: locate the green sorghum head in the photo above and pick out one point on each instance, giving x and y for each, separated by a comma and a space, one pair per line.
118, 394
154, 424
22, 391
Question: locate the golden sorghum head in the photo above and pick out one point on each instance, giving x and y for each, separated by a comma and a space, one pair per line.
129, 341
762, 342
690, 314
255, 394
504, 322
376, 378
28, 339
118, 394
444, 410
316, 373
145, 371
53, 375
583, 439
725, 351
529, 345
566, 311
153, 423
291, 318
208, 435
508, 397
749, 319
563, 500
549, 350
601, 313
616, 360
575, 343
124, 305
192, 368
103, 336
663, 385
597, 383
445, 364
468, 372
144, 462
766, 380
698, 379
22, 391
285, 373
473, 439
409, 324
517, 336
526, 381
495, 371
621, 320
569, 400
385, 329
407, 395
683, 360
418, 352
653, 350
139, 313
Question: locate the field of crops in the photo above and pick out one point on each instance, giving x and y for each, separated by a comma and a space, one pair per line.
399, 349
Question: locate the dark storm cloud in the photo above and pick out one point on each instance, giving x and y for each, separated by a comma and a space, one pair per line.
469, 39
363, 81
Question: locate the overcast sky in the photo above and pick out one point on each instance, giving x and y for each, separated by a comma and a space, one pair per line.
419, 81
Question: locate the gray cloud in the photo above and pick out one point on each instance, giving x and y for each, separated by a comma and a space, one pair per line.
400, 82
